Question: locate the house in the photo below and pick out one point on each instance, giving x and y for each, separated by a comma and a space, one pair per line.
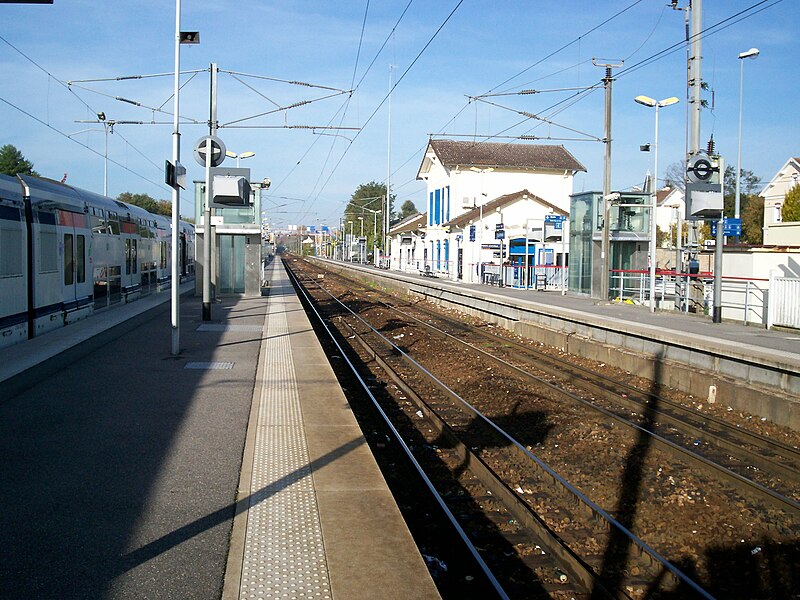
670, 209
525, 181
777, 233
406, 240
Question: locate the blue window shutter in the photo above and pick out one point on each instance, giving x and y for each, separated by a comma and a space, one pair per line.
448, 203
430, 209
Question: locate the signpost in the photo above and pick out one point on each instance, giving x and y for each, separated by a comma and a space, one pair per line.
209, 151
730, 227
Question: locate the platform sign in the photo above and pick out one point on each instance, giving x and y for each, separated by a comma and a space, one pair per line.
730, 227
500, 234
557, 221
472, 233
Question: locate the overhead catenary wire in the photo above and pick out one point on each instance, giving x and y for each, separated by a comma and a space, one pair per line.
73, 140
399, 80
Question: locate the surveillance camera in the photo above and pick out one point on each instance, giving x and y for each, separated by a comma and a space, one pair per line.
266, 183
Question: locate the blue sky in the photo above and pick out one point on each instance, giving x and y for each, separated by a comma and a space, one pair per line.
503, 46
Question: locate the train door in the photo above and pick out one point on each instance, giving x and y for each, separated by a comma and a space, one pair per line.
76, 291
131, 282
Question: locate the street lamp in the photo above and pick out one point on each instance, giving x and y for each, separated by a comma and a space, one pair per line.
240, 156
646, 101
752, 53
480, 220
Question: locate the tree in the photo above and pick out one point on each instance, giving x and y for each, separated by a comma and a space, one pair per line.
675, 175
367, 202
790, 211
407, 209
753, 221
752, 216
157, 207
12, 162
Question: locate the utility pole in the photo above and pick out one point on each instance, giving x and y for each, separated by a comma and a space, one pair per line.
208, 231
605, 250
388, 174
175, 306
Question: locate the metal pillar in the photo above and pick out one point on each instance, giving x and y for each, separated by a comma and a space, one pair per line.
175, 312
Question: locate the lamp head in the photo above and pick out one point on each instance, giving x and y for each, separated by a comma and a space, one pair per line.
668, 101
645, 101
101, 116
752, 53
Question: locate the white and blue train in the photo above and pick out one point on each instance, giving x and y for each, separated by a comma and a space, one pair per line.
66, 252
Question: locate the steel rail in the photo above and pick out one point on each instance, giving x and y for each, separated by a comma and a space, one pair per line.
462, 534
577, 494
734, 447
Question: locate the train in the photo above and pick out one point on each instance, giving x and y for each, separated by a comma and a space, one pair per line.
66, 253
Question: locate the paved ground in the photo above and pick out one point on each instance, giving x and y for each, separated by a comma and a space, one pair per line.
119, 472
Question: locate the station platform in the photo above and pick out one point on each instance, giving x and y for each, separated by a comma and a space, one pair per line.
235, 469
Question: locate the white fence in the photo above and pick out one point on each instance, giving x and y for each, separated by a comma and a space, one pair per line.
784, 302
766, 302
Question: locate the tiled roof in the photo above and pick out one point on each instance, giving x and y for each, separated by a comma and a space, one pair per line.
409, 224
475, 213
491, 154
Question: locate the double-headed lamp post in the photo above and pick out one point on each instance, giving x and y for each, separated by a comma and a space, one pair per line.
752, 53
647, 101
239, 156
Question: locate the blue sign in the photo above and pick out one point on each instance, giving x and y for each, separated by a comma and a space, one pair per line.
472, 233
556, 221
500, 234
730, 227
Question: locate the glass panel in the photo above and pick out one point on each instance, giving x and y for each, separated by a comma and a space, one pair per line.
225, 250
238, 263
81, 258
48, 255
68, 260
10, 251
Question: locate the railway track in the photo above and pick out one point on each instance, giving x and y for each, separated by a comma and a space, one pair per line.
607, 561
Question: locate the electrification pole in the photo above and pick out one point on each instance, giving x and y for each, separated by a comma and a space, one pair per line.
175, 314
605, 250
209, 233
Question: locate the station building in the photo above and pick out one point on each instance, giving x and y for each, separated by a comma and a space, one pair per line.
488, 206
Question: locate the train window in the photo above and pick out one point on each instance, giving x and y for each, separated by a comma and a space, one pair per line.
80, 252
98, 220
113, 223
48, 255
10, 252
127, 257
69, 260
163, 255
